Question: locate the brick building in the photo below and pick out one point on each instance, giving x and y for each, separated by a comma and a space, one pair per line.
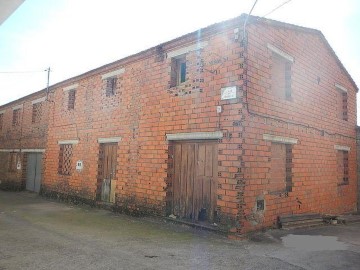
23, 132
214, 126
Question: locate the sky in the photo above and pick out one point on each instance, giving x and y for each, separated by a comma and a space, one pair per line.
75, 36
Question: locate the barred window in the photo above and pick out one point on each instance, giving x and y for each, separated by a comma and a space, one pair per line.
16, 117
344, 106
65, 155
71, 99
13, 160
36, 112
343, 166
111, 86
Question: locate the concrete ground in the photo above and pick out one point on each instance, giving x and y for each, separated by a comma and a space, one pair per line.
39, 234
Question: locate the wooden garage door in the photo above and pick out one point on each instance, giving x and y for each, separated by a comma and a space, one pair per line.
195, 180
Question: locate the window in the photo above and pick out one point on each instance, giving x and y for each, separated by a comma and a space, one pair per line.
13, 160
111, 86
344, 107
178, 70
16, 117
342, 101
71, 99
36, 112
65, 155
281, 76
1, 120
281, 167
343, 167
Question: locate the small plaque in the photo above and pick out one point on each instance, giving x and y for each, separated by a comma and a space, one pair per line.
228, 92
18, 165
79, 165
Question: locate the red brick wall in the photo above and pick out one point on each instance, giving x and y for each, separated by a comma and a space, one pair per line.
25, 135
311, 116
143, 110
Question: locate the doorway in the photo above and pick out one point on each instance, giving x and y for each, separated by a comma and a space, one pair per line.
33, 171
194, 180
107, 172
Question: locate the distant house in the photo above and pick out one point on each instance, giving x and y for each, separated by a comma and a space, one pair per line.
23, 133
212, 127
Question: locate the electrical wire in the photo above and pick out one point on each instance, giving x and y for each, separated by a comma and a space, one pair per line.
283, 4
25, 71
246, 20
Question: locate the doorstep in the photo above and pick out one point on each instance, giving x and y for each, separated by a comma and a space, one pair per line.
202, 226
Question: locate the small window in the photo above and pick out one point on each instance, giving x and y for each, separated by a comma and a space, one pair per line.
65, 155
260, 205
36, 112
16, 117
1, 121
281, 167
71, 99
13, 160
111, 86
343, 102
178, 70
281, 76
343, 167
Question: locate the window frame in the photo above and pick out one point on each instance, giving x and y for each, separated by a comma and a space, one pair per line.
71, 99
65, 159
288, 61
178, 70
111, 86
16, 117
345, 176
344, 101
36, 116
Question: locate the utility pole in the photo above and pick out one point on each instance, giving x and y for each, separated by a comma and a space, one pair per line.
48, 79
48, 82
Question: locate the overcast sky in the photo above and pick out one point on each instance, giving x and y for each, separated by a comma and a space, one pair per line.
74, 36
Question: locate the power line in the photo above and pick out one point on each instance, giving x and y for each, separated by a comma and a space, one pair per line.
25, 71
248, 17
283, 4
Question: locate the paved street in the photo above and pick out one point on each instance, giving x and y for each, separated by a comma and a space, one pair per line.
39, 234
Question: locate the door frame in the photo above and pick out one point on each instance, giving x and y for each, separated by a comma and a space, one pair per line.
171, 173
100, 178
38, 160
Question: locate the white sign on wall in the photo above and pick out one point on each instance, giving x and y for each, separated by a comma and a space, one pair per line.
79, 165
228, 92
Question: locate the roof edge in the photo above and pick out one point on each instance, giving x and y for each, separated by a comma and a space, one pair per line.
37, 93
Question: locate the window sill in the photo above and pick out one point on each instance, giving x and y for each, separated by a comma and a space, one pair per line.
343, 184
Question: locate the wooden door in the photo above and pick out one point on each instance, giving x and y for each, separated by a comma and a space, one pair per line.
33, 171
195, 180
107, 172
